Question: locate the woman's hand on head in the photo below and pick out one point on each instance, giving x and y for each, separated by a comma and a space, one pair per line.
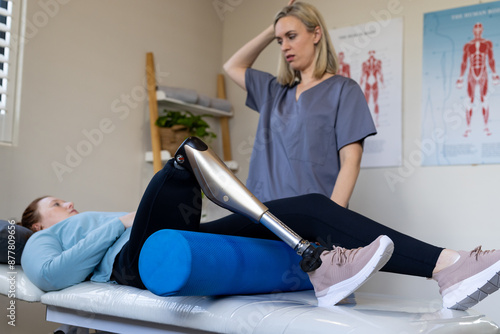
128, 219
244, 58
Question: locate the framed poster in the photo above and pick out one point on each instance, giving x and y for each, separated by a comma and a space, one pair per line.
460, 92
371, 54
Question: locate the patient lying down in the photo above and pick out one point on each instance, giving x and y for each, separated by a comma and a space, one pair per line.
70, 247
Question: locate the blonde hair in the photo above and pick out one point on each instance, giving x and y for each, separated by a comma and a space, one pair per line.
326, 59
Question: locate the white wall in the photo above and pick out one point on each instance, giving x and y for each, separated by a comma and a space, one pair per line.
451, 206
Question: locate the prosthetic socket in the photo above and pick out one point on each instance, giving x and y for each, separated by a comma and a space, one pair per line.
222, 187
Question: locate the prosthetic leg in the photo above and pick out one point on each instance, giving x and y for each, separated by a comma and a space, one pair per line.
222, 187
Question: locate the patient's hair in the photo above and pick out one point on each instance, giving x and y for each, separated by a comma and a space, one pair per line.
326, 59
31, 214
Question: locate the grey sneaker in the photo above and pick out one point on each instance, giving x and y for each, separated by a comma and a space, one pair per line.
472, 278
344, 270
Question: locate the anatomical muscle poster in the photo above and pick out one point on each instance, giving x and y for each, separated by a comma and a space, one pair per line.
460, 86
371, 54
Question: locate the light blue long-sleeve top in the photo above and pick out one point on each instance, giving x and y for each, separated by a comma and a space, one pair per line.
70, 251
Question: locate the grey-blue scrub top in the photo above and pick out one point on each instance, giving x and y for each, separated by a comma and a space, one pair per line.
296, 149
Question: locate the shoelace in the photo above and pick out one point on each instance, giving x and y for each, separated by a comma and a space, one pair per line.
342, 256
478, 251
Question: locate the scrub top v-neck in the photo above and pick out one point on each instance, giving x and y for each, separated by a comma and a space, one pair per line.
297, 141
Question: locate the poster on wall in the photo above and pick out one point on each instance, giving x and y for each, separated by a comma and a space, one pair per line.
371, 54
460, 91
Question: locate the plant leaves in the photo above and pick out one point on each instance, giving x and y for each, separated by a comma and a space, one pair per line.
196, 125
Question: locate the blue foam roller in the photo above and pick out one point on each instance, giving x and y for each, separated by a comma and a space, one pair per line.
188, 263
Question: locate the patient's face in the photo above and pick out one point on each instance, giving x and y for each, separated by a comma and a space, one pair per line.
52, 211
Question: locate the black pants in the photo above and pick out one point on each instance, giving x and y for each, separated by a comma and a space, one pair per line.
172, 200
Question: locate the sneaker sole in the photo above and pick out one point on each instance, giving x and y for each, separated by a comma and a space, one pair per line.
472, 290
339, 291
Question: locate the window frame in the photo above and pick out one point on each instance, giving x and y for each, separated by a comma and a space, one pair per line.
10, 108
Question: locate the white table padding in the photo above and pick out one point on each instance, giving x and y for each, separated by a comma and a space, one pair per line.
289, 313
126, 309
24, 289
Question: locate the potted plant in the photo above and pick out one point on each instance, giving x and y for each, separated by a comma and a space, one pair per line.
175, 126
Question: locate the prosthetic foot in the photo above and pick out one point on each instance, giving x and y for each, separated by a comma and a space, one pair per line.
222, 187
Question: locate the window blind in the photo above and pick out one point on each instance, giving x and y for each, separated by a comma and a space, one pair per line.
10, 49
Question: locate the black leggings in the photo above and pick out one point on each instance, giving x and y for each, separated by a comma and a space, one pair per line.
172, 200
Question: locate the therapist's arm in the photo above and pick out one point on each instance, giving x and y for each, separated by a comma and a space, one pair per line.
244, 58
350, 164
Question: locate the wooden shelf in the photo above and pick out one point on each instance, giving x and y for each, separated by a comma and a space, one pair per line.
166, 102
165, 156
157, 99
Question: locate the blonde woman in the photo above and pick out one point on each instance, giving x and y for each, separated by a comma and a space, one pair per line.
312, 122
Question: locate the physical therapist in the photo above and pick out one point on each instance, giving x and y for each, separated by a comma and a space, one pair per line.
312, 121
